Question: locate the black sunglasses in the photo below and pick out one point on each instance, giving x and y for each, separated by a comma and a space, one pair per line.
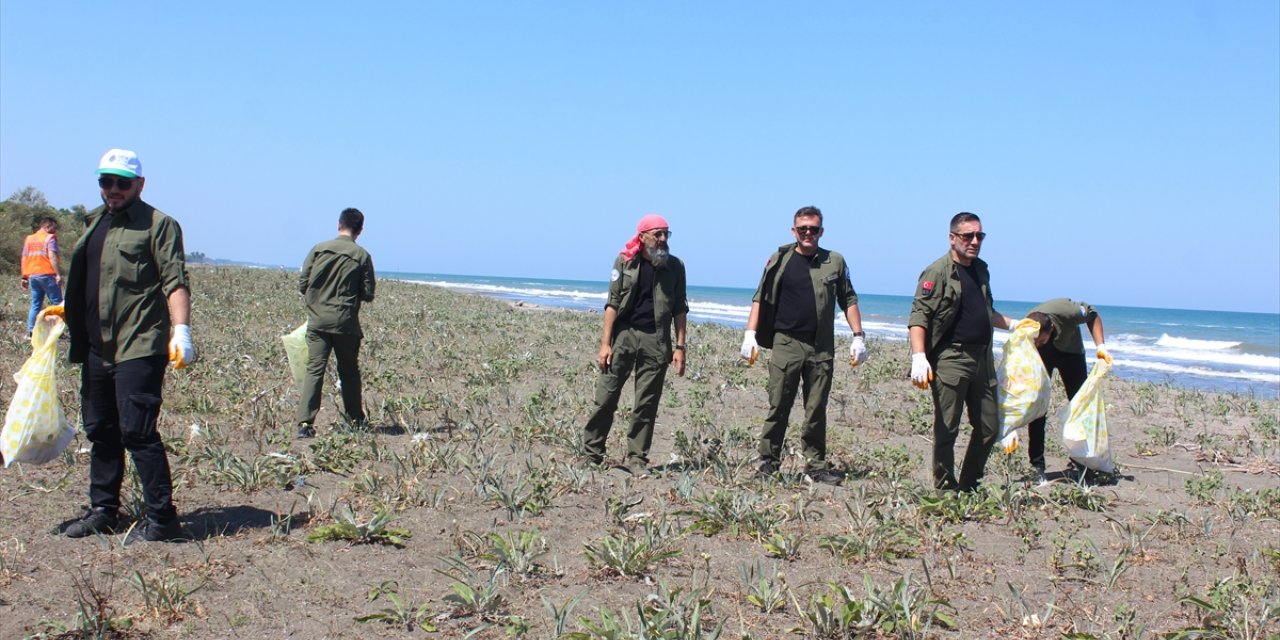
123, 184
808, 229
968, 237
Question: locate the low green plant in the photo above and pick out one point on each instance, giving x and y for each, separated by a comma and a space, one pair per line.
164, 597
784, 546
1235, 607
629, 554
765, 591
400, 613
516, 552
901, 610
376, 531
1205, 487
473, 595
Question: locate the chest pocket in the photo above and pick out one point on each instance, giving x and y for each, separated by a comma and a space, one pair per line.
134, 264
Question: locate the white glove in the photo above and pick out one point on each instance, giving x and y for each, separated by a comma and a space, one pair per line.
750, 350
858, 351
1102, 354
921, 372
181, 351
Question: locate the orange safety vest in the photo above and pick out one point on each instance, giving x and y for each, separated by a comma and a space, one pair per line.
36, 255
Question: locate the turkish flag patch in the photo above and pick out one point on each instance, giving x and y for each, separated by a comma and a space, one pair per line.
926, 287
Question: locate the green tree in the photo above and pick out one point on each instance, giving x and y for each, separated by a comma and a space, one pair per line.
18, 216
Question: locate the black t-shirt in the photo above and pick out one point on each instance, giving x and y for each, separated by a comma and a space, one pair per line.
973, 323
642, 312
797, 308
93, 279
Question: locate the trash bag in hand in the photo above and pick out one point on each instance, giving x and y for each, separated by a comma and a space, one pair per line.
35, 429
1023, 383
1084, 423
295, 347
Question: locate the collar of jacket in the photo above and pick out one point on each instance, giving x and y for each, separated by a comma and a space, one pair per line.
135, 209
822, 254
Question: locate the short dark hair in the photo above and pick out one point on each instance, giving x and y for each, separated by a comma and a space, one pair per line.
351, 219
805, 212
963, 216
47, 220
1045, 324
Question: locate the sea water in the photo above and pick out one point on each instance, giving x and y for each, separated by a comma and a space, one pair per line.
1212, 350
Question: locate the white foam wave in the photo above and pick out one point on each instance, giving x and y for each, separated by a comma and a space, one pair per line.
1172, 369
524, 292
1175, 342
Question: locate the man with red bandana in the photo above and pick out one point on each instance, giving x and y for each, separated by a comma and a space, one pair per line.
646, 301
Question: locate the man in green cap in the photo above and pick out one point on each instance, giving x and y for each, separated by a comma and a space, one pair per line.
646, 302
1062, 348
950, 331
793, 313
336, 278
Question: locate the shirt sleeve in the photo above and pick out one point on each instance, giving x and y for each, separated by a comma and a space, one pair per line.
923, 306
845, 292
614, 298
682, 300
170, 256
368, 282
1087, 313
304, 276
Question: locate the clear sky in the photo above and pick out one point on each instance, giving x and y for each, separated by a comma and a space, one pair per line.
1120, 153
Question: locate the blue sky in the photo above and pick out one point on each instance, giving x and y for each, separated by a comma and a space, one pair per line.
1120, 153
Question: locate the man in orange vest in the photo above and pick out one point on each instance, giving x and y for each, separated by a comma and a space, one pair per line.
40, 268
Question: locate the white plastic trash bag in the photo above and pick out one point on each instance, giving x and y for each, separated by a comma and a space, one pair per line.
295, 347
1023, 382
35, 429
1084, 423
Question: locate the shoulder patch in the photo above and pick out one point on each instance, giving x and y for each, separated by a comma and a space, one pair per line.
926, 288
614, 275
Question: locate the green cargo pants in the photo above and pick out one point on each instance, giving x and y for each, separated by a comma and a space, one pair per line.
643, 353
794, 362
346, 351
964, 376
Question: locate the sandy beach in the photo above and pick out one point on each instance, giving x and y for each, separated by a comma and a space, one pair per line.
487, 524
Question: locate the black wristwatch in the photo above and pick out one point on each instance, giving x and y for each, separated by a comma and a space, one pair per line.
680, 347
859, 334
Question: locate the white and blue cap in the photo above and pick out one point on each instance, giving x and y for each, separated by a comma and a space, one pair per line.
120, 162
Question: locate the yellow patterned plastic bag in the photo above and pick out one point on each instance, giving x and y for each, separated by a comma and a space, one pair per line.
1084, 423
1023, 383
35, 429
295, 347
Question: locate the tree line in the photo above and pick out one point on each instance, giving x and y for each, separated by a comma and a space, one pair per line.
19, 214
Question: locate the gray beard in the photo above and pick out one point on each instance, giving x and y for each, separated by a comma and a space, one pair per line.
657, 256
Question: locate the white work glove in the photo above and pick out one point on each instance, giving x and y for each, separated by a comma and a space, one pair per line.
181, 351
1101, 353
921, 372
857, 351
750, 350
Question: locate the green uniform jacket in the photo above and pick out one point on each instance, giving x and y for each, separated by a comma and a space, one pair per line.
937, 302
1067, 315
831, 286
335, 278
669, 299
142, 263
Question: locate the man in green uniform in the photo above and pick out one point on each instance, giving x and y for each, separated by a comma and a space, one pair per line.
950, 330
128, 310
793, 313
1062, 348
336, 278
646, 300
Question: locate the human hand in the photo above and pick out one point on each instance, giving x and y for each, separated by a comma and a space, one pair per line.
750, 350
181, 350
921, 372
857, 351
677, 359
605, 357
23, 284
1101, 352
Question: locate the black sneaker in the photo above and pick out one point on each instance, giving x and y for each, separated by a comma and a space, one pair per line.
1038, 478
768, 470
825, 476
94, 522
147, 531
305, 430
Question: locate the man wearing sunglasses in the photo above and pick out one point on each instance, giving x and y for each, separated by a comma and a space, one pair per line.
646, 301
336, 278
793, 313
128, 310
950, 331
